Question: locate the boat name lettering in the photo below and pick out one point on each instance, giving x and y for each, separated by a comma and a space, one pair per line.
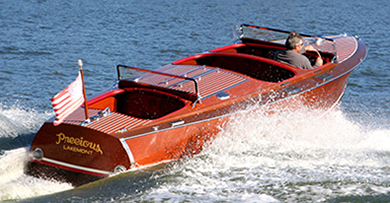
62, 138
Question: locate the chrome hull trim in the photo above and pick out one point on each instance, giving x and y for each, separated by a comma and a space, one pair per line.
129, 153
80, 168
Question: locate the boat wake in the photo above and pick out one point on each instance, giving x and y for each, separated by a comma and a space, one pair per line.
257, 158
17, 128
288, 158
15, 185
16, 121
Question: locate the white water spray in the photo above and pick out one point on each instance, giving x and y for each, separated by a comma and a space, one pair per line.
14, 184
284, 157
15, 121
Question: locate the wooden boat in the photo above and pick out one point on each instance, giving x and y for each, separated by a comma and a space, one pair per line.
162, 115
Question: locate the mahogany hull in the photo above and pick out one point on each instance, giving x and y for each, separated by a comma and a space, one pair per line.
151, 148
80, 154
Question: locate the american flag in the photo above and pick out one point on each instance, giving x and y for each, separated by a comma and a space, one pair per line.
68, 100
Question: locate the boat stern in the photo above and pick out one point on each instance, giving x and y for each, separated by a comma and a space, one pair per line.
75, 154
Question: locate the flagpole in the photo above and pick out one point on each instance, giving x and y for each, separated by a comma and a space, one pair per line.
80, 62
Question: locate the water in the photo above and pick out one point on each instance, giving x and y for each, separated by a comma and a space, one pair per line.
343, 157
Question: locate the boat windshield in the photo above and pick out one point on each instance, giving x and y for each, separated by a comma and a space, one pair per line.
320, 42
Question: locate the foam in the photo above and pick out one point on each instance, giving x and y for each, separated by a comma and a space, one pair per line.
15, 185
283, 157
16, 120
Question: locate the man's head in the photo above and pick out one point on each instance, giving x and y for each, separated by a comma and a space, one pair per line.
293, 40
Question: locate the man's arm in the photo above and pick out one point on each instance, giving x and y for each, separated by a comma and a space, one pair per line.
307, 65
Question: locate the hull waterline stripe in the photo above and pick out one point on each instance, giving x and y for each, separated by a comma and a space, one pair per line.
81, 168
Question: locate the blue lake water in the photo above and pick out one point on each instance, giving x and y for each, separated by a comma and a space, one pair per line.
344, 157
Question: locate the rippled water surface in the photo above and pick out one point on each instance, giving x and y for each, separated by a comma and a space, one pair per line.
343, 157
